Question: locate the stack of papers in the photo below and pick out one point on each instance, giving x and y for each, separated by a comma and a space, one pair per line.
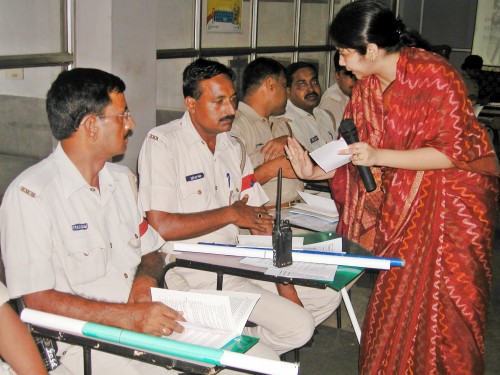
317, 206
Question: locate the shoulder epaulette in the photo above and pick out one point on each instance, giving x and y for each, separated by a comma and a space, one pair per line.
34, 183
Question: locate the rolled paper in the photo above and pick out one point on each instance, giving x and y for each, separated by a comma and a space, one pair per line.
51, 321
299, 255
158, 344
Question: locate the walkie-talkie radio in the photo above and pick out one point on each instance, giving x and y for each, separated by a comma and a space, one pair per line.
282, 234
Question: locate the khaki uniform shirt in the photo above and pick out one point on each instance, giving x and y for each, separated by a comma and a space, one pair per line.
58, 232
311, 130
179, 174
334, 101
256, 131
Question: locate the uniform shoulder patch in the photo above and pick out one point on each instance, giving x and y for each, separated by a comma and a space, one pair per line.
28, 191
34, 180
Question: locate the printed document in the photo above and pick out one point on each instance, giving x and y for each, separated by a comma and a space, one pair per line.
213, 317
298, 270
303, 270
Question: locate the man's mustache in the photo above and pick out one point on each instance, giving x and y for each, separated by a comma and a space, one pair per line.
129, 134
226, 118
312, 94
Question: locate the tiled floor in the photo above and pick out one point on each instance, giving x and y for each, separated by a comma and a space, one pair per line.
336, 351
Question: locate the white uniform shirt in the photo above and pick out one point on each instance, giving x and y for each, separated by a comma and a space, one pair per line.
311, 130
256, 131
334, 101
179, 174
58, 232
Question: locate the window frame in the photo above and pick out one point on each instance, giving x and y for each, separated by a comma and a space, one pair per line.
64, 59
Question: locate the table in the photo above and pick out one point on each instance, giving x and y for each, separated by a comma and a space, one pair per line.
224, 264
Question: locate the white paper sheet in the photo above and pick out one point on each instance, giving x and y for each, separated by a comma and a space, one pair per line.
301, 270
213, 318
330, 246
327, 157
318, 201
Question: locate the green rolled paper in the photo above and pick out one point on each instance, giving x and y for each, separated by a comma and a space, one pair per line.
153, 343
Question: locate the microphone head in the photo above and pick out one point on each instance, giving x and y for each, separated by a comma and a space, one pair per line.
347, 125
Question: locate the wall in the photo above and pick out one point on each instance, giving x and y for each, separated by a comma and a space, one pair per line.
118, 36
121, 36
29, 27
276, 20
443, 22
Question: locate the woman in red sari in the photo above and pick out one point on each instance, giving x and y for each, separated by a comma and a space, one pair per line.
435, 204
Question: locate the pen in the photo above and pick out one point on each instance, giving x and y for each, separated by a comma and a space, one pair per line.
228, 175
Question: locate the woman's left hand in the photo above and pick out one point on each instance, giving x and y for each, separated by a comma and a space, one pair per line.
362, 154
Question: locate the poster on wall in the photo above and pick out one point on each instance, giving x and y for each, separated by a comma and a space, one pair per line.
487, 32
224, 16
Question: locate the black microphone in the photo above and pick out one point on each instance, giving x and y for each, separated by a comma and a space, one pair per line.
350, 134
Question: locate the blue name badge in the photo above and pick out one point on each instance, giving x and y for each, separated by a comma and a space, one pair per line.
77, 227
314, 139
195, 177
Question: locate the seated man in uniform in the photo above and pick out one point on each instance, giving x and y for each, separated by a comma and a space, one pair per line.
74, 241
336, 97
197, 184
265, 135
312, 126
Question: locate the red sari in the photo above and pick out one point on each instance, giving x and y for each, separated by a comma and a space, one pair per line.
430, 316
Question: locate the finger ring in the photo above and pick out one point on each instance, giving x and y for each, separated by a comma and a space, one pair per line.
163, 331
259, 216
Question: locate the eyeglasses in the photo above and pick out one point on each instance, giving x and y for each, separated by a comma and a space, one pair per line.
126, 116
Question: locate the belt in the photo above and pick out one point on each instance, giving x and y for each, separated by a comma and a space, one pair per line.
284, 205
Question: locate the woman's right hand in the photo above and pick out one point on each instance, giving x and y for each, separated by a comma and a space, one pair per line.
299, 158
